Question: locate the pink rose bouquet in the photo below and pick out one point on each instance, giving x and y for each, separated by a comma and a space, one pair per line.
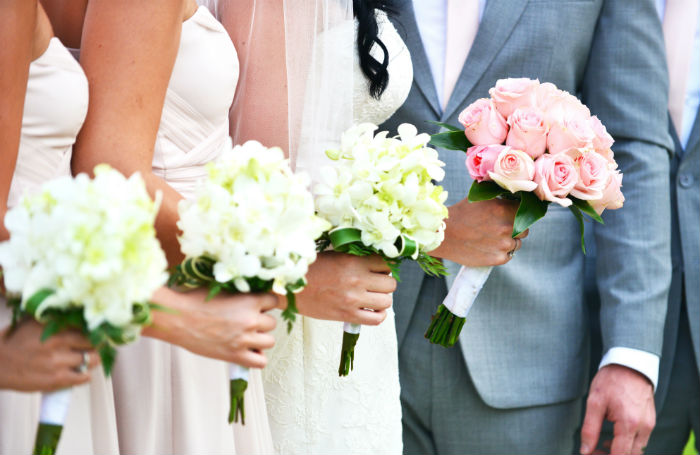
536, 144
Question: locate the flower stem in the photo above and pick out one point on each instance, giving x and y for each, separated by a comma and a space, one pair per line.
238, 387
347, 354
47, 436
444, 327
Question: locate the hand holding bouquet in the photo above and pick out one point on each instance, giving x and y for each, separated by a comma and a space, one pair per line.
250, 228
380, 199
536, 144
83, 255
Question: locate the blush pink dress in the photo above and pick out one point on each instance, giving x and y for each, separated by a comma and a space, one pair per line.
168, 399
54, 111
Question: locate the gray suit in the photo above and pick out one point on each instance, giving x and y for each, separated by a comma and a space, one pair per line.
524, 344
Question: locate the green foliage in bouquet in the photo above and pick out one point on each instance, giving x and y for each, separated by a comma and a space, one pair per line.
103, 338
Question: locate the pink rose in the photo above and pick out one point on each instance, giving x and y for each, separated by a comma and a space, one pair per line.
555, 176
593, 173
612, 195
559, 105
527, 131
510, 94
572, 132
483, 125
514, 170
602, 141
480, 160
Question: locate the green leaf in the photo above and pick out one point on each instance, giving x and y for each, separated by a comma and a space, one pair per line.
36, 300
107, 354
585, 207
51, 328
395, 267
431, 266
165, 309
530, 210
577, 213
448, 127
450, 140
213, 292
484, 191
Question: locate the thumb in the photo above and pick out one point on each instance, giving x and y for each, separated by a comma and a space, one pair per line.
592, 422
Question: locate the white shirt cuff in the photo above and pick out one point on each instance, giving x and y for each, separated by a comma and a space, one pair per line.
643, 362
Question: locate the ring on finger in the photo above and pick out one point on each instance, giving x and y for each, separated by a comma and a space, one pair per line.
511, 253
83, 367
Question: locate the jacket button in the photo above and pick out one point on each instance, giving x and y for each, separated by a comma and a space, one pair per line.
686, 180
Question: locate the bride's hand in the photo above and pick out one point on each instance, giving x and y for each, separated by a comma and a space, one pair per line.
232, 328
343, 287
29, 365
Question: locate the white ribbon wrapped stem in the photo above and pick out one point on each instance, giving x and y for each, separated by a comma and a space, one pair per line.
351, 328
54, 406
465, 289
236, 371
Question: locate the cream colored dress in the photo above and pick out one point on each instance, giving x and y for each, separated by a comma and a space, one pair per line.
168, 399
311, 409
54, 111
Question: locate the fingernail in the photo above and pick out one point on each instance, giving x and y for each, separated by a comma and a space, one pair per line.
585, 449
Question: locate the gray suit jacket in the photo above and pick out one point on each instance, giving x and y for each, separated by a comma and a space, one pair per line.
525, 340
685, 208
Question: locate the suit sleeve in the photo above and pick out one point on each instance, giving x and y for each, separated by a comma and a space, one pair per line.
626, 85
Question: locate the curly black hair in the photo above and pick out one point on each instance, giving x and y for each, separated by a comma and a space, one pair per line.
367, 37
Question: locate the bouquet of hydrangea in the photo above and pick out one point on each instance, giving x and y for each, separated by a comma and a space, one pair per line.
83, 254
380, 199
251, 227
536, 144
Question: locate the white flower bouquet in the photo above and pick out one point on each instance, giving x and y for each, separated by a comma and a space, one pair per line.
380, 198
83, 255
251, 227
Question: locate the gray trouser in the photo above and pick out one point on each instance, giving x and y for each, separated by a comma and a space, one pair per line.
680, 411
444, 414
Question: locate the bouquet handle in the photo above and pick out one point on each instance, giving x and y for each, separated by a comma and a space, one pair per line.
447, 322
351, 333
54, 408
238, 376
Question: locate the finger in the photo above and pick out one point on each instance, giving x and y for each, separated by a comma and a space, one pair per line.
266, 323
644, 432
523, 234
366, 317
267, 301
593, 420
258, 341
250, 359
68, 377
67, 358
518, 244
377, 264
622, 443
381, 283
374, 301
74, 340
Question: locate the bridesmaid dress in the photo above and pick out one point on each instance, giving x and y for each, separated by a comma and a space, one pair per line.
168, 399
54, 111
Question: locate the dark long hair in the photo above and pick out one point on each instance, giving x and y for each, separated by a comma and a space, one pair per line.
367, 37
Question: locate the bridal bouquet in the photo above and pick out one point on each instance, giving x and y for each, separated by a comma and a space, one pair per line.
83, 255
536, 144
380, 199
250, 228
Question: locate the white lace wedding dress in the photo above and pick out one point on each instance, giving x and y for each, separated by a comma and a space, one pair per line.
311, 409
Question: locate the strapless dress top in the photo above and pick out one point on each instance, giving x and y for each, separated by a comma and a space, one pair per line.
55, 107
194, 125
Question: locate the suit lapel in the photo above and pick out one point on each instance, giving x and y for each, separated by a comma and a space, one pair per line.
500, 16
422, 75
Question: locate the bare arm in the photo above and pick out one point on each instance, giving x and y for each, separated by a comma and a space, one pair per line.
17, 24
128, 51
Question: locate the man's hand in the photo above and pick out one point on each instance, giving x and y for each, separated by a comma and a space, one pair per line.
626, 398
479, 233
